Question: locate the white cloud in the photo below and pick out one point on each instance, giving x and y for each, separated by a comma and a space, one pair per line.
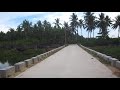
4, 28
6, 19
63, 16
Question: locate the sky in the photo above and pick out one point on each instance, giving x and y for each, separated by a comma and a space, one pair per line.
13, 19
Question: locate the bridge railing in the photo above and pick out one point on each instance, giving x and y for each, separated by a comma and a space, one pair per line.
12, 71
113, 61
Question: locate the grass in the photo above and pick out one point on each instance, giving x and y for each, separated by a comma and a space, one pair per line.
113, 51
13, 56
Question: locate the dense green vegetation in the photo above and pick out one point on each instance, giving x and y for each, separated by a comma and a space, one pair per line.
14, 56
110, 46
113, 51
29, 39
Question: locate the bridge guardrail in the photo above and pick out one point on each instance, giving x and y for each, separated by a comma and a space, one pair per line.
113, 61
21, 66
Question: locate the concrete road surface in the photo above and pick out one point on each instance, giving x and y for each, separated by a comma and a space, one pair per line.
70, 62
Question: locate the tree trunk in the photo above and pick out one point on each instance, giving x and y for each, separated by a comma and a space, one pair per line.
65, 37
93, 33
81, 32
118, 32
77, 35
88, 34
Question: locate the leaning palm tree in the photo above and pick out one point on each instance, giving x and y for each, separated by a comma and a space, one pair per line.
117, 24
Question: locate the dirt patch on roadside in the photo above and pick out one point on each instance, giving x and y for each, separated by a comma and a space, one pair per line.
114, 70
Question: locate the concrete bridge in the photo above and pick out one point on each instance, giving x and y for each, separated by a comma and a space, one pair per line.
69, 62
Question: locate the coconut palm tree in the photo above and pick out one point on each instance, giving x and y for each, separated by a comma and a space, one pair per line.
57, 23
89, 22
117, 24
45, 23
81, 25
93, 23
26, 26
66, 28
103, 23
19, 28
74, 23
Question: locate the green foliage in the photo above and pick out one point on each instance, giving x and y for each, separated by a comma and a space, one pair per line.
13, 56
109, 46
30, 40
113, 51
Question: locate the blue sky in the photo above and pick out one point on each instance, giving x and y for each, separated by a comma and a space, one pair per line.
13, 19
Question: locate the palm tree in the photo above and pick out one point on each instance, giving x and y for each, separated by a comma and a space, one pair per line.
19, 28
103, 23
57, 23
39, 24
89, 22
81, 25
74, 23
117, 24
35, 27
26, 26
12, 35
86, 18
46, 25
66, 28
12, 30
93, 24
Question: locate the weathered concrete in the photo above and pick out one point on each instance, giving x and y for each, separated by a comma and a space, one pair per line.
20, 66
7, 72
39, 57
118, 64
43, 55
70, 62
102, 56
106, 58
28, 62
113, 61
35, 60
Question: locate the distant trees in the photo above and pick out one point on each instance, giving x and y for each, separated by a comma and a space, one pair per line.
43, 33
57, 23
30, 38
26, 27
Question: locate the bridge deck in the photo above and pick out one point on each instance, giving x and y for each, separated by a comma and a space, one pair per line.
70, 62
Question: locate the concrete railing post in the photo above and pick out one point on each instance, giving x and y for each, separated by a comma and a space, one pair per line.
113, 61
28, 62
7, 72
20, 66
